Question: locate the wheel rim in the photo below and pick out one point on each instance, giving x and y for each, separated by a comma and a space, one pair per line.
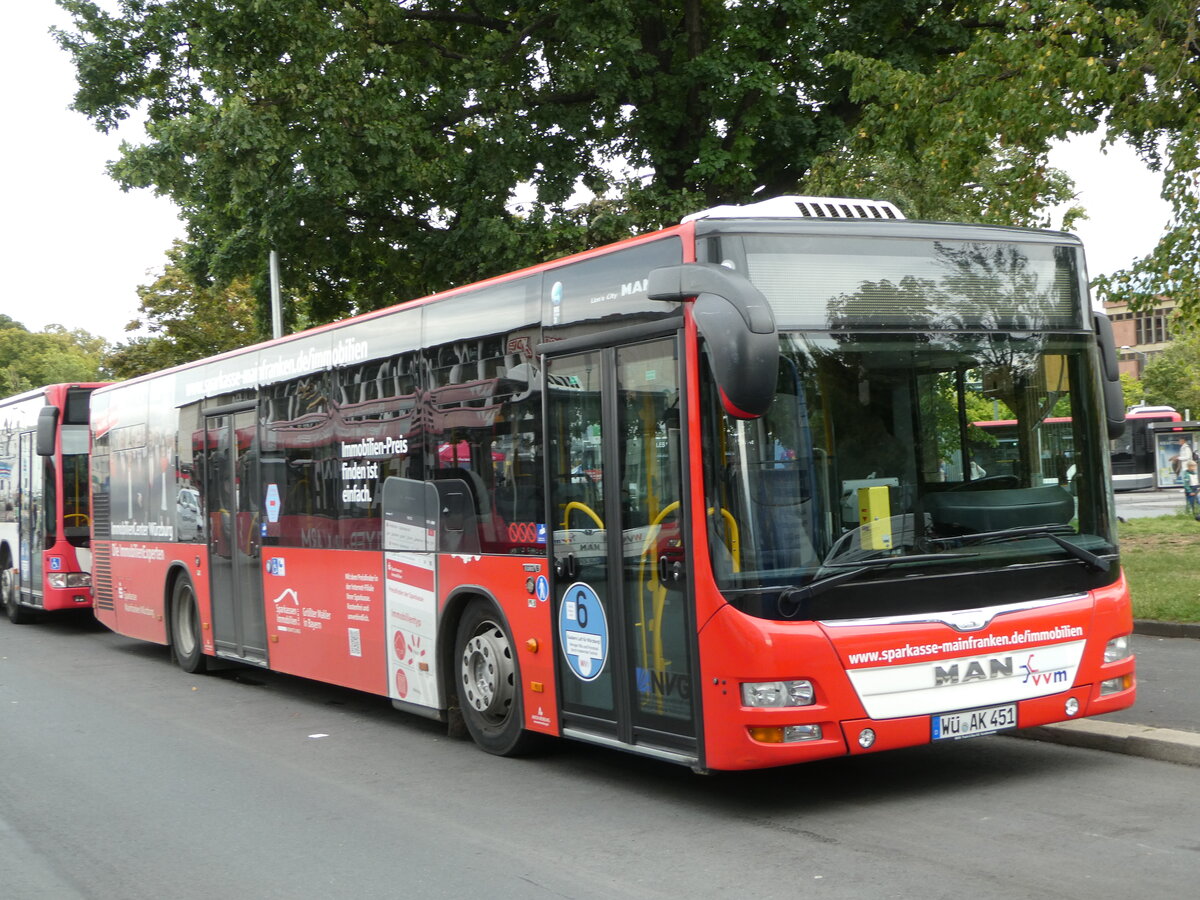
487, 673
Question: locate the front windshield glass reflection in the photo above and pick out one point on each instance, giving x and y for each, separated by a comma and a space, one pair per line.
919, 451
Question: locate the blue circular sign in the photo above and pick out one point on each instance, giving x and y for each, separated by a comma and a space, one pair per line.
583, 631
543, 588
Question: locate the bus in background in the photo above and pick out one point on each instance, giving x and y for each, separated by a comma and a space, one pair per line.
45, 556
704, 495
1133, 453
996, 451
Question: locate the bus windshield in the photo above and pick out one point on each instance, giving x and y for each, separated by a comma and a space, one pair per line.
870, 458
76, 514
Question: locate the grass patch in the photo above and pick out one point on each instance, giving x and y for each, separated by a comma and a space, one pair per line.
1161, 557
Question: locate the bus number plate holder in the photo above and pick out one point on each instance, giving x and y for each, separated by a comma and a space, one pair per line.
973, 722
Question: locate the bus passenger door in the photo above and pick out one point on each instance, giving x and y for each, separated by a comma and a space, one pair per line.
32, 521
624, 630
232, 500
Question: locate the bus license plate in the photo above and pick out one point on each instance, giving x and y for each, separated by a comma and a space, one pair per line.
972, 722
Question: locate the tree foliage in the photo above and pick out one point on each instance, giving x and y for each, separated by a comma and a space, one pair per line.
1172, 377
185, 322
1132, 390
31, 359
382, 145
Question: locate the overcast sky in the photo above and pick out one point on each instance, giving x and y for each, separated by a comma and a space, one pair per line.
75, 248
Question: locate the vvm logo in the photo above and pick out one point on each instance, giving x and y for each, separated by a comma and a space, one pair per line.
1032, 675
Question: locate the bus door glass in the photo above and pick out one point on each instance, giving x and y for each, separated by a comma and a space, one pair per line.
621, 611
232, 499
32, 515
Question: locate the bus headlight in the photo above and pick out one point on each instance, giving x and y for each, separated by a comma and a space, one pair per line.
1117, 649
1116, 685
70, 579
768, 694
786, 734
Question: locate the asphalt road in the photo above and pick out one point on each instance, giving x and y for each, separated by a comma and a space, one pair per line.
1168, 671
122, 777
1140, 504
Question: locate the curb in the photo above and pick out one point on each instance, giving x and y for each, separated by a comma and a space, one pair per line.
1155, 628
1165, 744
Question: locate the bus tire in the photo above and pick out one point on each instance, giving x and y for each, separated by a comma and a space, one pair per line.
488, 680
186, 643
17, 614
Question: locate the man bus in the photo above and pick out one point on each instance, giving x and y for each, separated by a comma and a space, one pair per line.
1132, 453
703, 495
45, 556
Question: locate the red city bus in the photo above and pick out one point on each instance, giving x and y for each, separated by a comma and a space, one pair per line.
686, 496
1134, 461
1131, 453
996, 448
45, 555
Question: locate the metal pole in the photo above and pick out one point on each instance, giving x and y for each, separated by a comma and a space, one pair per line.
276, 303
1142, 356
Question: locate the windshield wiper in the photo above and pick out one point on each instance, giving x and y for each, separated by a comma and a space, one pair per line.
1053, 533
801, 595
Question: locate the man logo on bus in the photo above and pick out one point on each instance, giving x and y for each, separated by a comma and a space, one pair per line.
996, 667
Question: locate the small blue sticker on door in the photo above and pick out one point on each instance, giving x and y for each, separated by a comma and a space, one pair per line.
583, 631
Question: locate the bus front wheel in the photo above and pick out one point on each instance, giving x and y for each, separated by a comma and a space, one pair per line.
17, 614
185, 628
489, 682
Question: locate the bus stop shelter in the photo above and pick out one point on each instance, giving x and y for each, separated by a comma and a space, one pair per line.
1175, 445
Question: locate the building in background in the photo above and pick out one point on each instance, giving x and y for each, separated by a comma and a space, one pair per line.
1140, 335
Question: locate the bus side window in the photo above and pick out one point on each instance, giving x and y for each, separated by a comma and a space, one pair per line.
486, 419
459, 527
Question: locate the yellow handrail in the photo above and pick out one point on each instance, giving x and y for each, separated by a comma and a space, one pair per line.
658, 596
575, 504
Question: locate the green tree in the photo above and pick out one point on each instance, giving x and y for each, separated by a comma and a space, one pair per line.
382, 147
1172, 377
31, 359
1132, 390
968, 138
185, 322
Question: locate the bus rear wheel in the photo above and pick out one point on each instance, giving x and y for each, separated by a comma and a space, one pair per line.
489, 682
185, 628
17, 614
